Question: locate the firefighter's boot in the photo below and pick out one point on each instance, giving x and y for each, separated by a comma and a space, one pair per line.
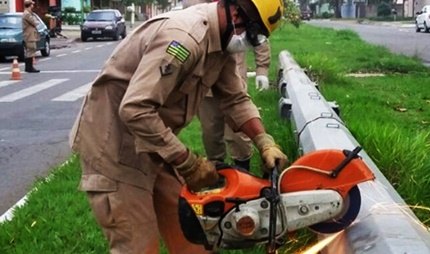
29, 65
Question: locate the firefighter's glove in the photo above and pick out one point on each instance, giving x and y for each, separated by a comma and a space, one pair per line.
270, 152
197, 172
262, 82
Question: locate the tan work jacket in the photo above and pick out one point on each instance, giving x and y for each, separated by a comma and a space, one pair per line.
150, 88
29, 26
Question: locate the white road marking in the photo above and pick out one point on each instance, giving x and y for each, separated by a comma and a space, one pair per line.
74, 94
8, 82
98, 46
76, 51
31, 90
59, 71
60, 55
70, 71
406, 30
10, 67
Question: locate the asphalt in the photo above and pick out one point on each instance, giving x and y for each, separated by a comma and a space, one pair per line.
71, 34
66, 38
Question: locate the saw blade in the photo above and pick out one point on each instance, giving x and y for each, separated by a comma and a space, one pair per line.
352, 204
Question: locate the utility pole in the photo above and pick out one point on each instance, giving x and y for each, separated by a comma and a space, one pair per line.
131, 9
132, 15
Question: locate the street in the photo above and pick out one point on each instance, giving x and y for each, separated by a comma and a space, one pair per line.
400, 38
38, 111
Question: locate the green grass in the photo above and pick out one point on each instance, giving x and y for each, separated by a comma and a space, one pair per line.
389, 116
57, 218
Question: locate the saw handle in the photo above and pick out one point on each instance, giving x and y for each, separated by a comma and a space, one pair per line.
273, 199
350, 155
236, 201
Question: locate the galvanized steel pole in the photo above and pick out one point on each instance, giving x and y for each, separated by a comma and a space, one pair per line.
384, 224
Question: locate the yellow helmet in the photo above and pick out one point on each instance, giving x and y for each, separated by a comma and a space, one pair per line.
270, 12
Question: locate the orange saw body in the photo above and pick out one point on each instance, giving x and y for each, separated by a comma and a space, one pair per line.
319, 191
314, 171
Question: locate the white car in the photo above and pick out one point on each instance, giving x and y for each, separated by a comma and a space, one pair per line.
422, 21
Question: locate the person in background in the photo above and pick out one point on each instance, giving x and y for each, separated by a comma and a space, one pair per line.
133, 163
31, 36
217, 136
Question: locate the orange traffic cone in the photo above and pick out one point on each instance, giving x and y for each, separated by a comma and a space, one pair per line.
16, 73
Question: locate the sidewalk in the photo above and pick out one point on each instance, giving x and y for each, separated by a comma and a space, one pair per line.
404, 24
71, 34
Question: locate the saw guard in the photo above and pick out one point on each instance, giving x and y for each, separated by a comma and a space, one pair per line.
341, 222
313, 171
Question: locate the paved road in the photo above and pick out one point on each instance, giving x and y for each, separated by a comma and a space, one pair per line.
399, 37
38, 111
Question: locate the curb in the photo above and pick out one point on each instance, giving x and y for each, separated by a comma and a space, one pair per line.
8, 215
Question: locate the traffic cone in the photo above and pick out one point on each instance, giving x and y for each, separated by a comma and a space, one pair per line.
16, 73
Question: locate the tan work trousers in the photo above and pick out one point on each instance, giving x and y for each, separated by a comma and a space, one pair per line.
133, 218
30, 49
218, 137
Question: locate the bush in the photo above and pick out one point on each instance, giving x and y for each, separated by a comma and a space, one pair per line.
73, 17
383, 9
69, 9
327, 15
86, 9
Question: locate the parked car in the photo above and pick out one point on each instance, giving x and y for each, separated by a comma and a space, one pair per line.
103, 23
11, 36
306, 15
422, 21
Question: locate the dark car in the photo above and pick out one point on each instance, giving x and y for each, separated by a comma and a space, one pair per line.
106, 23
306, 15
11, 36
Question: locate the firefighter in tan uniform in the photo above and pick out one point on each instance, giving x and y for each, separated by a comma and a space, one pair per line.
148, 90
30, 34
217, 136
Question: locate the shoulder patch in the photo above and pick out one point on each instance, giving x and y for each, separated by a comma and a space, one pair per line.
166, 69
178, 51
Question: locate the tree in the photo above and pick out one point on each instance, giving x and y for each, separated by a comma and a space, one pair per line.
291, 13
138, 2
163, 4
337, 6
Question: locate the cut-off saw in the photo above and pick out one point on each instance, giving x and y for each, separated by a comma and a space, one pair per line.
319, 191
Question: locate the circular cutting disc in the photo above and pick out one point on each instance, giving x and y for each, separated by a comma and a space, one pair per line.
352, 207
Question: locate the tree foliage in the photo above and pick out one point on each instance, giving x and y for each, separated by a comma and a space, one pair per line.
138, 2
163, 3
292, 13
